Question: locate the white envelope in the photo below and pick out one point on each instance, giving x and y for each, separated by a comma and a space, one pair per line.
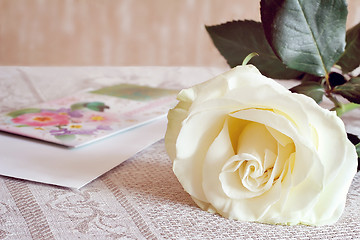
35, 160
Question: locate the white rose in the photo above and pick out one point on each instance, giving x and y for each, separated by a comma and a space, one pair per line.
247, 148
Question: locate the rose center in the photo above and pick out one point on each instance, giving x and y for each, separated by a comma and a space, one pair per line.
258, 161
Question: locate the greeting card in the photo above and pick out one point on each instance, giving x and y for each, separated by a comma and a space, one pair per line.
86, 117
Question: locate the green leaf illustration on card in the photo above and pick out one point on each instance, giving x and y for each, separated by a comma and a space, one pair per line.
135, 92
66, 137
77, 106
95, 106
79, 119
17, 113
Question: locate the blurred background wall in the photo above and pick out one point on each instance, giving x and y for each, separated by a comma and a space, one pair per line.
119, 32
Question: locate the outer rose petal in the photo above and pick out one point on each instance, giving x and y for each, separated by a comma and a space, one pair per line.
202, 140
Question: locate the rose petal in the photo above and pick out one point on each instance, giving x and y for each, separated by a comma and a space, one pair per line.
333, 197
255, 143
304, 150
193, 141
331, 136
217, 155
234, 185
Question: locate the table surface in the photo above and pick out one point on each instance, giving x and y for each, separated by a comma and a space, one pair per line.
141, 198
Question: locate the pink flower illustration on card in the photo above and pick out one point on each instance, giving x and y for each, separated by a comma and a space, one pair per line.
42, 119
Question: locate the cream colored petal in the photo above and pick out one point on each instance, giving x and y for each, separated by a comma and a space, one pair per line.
269, 159
175, 118
280, 137
254, 208
250, 209
218, 154
256, 147
240, 78
187, 95
234, 185
231, 182
333, 197
201, 127
304, 195
282, 103
276, 214
307, 172
284, 153
204, 205
255, 139
196, 135
211, 89
305, 154
249, 77
331, 134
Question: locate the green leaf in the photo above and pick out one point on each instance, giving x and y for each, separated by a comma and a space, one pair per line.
96, 106
311, 78
350, 59
311, 89
235, 40
17, 113
308, 36
350, 90
344, 108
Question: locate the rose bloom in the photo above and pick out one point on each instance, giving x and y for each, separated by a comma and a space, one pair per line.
42, 119
247, 148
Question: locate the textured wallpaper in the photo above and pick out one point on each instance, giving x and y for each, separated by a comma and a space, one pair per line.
119, 32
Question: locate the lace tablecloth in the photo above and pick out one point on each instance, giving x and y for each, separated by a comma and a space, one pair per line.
141, 198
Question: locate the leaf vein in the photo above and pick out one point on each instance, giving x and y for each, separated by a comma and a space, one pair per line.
313, 37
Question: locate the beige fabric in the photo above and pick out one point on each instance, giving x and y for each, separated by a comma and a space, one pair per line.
139, 199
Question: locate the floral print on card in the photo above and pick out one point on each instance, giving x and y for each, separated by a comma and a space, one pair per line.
85, 117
